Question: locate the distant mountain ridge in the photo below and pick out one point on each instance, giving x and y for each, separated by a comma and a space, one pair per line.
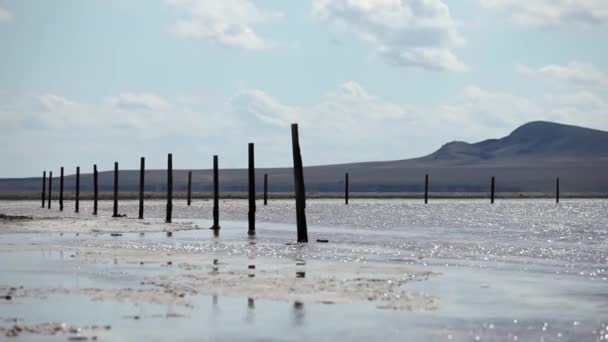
535, 140
527, 160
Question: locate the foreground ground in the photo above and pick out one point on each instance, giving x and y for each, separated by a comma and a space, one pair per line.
526, 270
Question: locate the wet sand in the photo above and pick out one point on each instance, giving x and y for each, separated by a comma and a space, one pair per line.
392, 270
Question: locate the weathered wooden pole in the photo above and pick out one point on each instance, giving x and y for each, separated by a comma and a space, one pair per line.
115, 213
61, 190
169, 188
43, 188
77, 202
142, 172
298, 175
493, 190
251, 191
189, 188
265, 189
346, 189
557, 190
426, 188
95, 188
50, 189
216, 195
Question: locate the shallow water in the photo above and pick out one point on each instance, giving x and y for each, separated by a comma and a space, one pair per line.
527, 270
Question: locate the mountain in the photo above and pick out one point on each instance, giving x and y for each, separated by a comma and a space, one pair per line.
535, 140
527, 160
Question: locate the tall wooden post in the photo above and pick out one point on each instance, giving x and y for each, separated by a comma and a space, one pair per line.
169, 188
50, 189
95, 188
346, 188
43, 188
557, 190
61, 189
265, 189
251, 191
77, 202
492, 190
298, 174
216, 195
189, 188
115, 213
426, 188
142, 172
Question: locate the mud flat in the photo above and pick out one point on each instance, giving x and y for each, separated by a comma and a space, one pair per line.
391, 269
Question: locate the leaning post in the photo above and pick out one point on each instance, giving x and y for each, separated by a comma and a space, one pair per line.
298, 174
251, 190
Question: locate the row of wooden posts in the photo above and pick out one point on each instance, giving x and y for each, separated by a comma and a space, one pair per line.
298, 182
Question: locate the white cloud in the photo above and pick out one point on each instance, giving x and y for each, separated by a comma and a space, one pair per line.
227, 23
5, 15
546, 13
130, 101
347, 123
573, 72
419, 33
263, 107
50, 102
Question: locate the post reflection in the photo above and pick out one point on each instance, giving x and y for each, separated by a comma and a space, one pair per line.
215, 306
298, 313
250, 317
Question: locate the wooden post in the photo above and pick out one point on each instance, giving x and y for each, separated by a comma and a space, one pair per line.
298, 175
251, 191
43, 188
265, 189
557, 190
50, 189
169, 187
115, 214
346, 189
142, 171
95, 189
426, 188
77, 203
492, 190
189, 188
216, 195
61, 190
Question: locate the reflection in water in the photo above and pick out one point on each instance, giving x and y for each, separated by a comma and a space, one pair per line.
216, 233
298, 313
250, 310
215, 307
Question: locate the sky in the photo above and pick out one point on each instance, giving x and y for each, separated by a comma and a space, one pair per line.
98, 81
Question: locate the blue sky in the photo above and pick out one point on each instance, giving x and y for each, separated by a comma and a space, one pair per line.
85, 82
